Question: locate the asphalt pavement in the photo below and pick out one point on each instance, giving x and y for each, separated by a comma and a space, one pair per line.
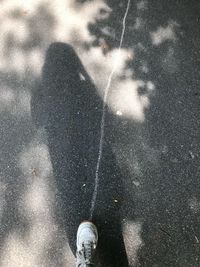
148, 202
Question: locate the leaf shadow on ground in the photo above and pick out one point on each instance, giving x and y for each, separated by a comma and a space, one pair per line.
17, 129
171, 130
170, 169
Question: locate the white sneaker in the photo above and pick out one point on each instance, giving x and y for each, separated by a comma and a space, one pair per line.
87, 238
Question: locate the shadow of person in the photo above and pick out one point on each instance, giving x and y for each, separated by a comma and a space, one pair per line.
68, 107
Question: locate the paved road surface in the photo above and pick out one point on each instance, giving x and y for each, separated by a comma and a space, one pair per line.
148, 205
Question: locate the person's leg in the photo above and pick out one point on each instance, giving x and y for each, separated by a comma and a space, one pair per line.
87, 238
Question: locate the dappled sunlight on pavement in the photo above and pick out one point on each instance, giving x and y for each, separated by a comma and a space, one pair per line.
25, 27
33, 246
150, 154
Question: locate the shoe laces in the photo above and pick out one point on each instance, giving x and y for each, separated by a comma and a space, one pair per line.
87, 250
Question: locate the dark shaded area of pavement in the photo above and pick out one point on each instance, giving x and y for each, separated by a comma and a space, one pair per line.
73, 112
171, 226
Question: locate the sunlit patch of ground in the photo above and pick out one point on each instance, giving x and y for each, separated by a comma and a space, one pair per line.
132, 240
